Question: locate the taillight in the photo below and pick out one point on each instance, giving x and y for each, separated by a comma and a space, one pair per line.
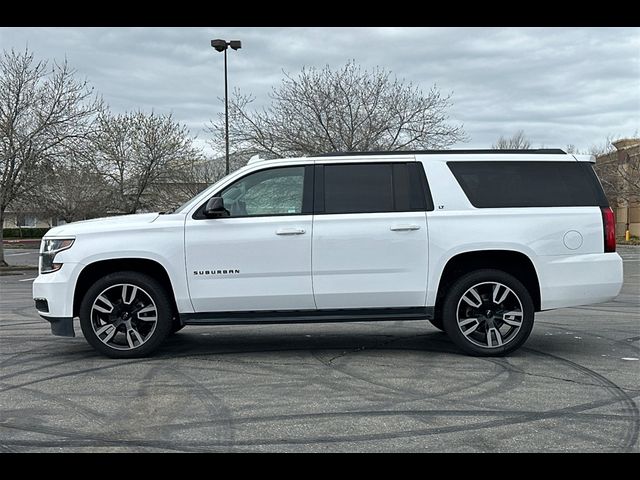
609, 223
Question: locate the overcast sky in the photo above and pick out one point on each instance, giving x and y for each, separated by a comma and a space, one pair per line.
560, 85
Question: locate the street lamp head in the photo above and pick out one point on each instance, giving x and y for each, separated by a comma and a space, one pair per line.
219, 44
235, 44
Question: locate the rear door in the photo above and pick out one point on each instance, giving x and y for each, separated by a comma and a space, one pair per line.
369, 235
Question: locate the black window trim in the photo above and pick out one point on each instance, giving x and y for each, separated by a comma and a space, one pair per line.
413, 166
307, 194
418, 167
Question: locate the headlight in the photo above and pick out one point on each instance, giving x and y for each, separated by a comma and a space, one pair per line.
50, 248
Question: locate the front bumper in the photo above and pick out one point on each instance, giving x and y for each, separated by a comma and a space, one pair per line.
61, 326
53, 293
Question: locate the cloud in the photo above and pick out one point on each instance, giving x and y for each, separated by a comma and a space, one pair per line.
560, 85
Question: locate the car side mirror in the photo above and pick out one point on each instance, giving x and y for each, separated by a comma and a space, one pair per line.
215, 208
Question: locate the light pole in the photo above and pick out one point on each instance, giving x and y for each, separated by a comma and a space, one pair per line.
221, 46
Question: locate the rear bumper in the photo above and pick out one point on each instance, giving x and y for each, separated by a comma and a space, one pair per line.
572, 280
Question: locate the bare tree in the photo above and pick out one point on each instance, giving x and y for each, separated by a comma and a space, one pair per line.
349, 109
518, 141
44, 111
187, 181
137, 152
71, 191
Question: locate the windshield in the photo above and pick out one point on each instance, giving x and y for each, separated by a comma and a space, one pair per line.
181, 207
200, 196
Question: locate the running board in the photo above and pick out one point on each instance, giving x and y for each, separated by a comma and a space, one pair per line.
307, 316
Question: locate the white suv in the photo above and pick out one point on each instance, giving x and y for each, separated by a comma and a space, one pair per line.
476, 241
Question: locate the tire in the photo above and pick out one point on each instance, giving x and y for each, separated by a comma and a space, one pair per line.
126, 315
437, 322
488, 322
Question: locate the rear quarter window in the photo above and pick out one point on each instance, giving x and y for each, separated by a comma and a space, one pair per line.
495, 184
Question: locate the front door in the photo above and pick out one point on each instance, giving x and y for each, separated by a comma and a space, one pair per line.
258, 258
370, 246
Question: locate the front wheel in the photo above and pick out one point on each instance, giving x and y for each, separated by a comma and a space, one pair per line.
488, 313
437, 322
176, 327
126, 315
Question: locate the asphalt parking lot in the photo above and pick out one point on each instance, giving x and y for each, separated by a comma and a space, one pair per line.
379, 386
21, 256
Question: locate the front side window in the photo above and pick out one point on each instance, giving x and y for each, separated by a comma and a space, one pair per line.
277, 191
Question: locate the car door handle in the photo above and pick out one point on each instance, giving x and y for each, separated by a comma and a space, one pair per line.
290, 231
403, 228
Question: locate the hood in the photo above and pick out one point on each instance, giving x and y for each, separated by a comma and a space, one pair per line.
103, 224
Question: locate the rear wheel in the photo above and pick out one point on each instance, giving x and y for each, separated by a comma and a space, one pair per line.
488, 313
126, 315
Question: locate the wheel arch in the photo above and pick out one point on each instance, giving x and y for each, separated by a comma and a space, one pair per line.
512, 262
100, 268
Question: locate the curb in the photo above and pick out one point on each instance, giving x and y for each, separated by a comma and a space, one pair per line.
20, 270
21, 240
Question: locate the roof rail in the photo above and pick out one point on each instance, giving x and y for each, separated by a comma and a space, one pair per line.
541, 151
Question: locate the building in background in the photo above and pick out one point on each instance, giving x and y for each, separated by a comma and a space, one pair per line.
619, 171
29, 220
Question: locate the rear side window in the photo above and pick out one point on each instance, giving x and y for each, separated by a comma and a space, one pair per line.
529, 184
358, 188
368, 188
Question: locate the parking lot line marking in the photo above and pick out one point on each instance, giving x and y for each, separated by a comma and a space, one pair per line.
27, 279
16, 254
